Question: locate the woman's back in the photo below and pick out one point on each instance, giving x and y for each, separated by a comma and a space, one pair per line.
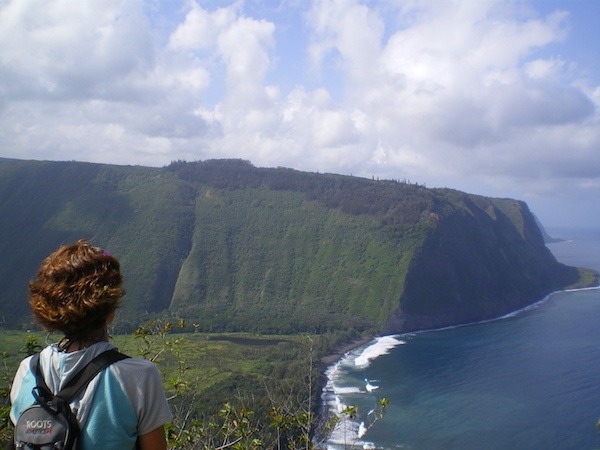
77, 291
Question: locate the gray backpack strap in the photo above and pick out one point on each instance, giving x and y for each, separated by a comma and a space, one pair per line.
81, 379
87, 374
34, 364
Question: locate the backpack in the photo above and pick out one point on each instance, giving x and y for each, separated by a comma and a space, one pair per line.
49, 423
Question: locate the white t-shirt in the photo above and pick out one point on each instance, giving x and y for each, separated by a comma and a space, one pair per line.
124, 401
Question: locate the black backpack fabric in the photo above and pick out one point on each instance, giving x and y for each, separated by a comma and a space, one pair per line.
49, 423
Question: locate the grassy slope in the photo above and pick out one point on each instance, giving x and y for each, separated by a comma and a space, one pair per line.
276, 262
142, 215
220, 367
233, 247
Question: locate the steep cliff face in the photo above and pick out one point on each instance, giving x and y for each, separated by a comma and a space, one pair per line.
276, 262
233, 247
483, 259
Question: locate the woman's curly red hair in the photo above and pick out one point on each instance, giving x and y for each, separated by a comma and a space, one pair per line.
77, 288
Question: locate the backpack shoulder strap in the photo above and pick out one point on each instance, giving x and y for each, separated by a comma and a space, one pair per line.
93, 368
34, 365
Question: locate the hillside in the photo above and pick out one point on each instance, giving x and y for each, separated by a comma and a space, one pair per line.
234, 247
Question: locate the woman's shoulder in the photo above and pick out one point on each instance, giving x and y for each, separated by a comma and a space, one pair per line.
25, 363
136, 370
141, 382
133, 363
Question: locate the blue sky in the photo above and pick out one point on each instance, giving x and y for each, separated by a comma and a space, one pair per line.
492, 97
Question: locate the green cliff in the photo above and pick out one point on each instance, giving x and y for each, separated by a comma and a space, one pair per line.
234, 247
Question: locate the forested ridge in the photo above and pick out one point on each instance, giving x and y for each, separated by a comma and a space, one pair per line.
233, 247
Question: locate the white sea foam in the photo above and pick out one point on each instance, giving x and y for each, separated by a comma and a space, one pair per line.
339, 406
347, 434
361, 430
381, 347
370, 387
332, 370
591, 288
341, 390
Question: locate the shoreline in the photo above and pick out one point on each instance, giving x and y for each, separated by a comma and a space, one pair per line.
340, 352
322, 411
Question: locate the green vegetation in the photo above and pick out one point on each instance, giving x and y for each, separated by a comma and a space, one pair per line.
312, 260
587, 278
231, 247
247, 390
260, 256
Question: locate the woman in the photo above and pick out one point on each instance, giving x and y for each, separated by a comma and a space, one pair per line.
76, 292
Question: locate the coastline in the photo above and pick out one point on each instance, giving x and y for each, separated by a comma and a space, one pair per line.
587, 267
323, 410
325, 435
436, 373
343, 349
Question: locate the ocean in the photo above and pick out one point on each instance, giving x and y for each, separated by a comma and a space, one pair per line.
530, 380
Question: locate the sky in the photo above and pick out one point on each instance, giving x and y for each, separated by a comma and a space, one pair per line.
498, 98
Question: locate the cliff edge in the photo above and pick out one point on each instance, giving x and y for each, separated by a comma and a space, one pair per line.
232, 247
484, 258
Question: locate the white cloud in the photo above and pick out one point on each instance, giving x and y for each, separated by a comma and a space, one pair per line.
201, 28
461, 93
544, 68
244, 49
349, 29
62, 49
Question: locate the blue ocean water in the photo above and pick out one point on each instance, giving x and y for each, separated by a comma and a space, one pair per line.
528, 381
